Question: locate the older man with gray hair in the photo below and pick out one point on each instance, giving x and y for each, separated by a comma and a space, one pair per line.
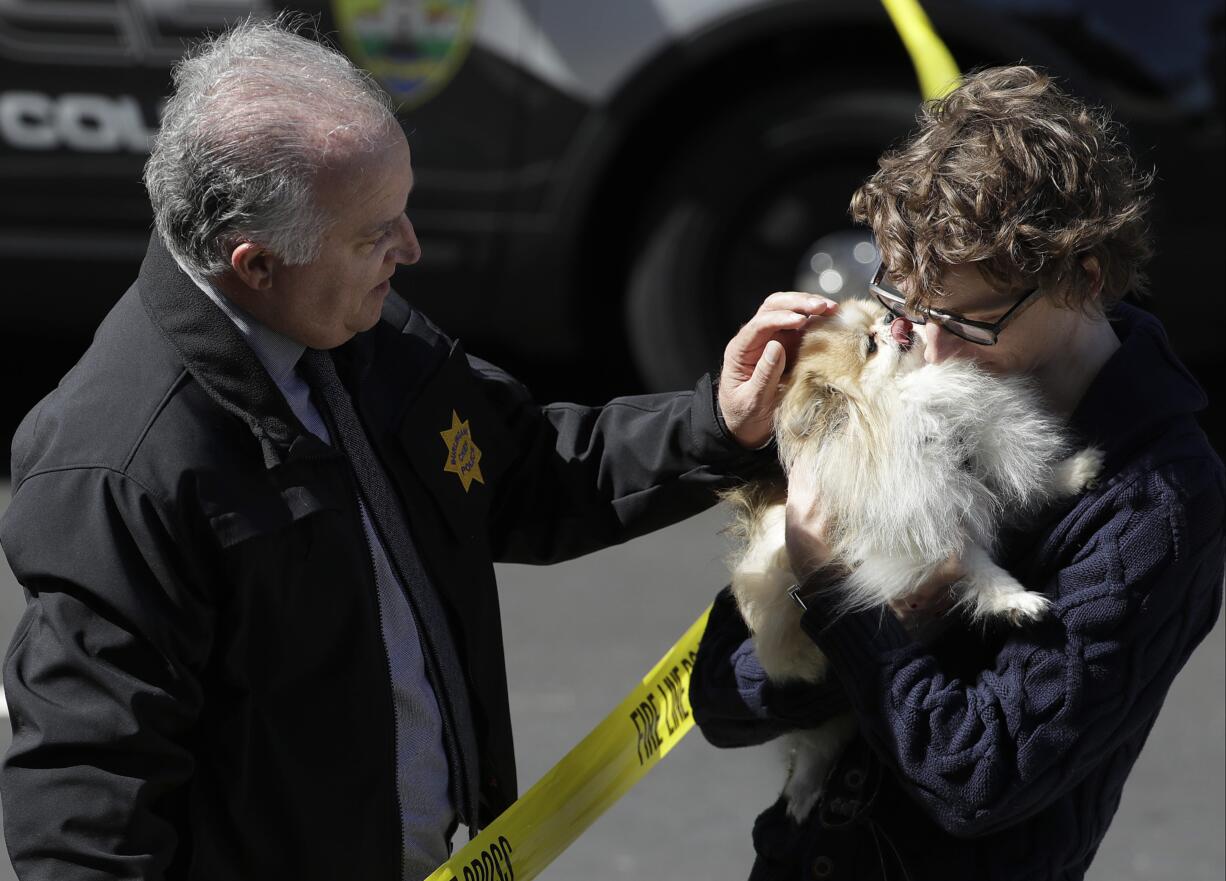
256, 522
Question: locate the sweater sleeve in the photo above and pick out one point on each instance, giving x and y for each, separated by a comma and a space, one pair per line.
1141, 587
733, 701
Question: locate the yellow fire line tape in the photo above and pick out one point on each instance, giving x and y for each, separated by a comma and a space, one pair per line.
934, 65
527, 837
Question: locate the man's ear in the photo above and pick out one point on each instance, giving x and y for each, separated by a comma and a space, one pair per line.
254, 265
1094, 273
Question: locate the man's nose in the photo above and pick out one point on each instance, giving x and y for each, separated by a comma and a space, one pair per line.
408, 251
939, 344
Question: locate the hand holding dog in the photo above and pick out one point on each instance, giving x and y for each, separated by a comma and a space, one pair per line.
805, 526
932, 599
755, 359
808, 550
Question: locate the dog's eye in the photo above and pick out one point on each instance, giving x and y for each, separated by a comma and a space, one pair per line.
872, 344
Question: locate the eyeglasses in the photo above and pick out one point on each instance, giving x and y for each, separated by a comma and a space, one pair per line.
981, 333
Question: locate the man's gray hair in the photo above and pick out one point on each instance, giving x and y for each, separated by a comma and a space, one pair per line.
254, 114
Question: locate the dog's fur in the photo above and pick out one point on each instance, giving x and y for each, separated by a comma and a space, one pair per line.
914, 464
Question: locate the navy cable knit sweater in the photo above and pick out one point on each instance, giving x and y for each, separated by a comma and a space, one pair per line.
1001, 756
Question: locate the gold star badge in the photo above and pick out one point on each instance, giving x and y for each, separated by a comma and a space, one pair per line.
463, 456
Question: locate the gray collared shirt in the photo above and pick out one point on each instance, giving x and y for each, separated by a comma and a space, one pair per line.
426, 811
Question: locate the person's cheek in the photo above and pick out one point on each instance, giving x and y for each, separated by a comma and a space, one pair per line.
1003, 359
937, 346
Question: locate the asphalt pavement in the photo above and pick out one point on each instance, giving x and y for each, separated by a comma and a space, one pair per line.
580, 634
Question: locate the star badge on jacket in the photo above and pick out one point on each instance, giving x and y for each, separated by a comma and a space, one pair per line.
463, 455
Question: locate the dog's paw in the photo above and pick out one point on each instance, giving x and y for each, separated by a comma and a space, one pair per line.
1080, 471
801, 797
1018, 607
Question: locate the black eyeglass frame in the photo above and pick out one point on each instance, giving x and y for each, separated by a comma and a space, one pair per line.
896, 302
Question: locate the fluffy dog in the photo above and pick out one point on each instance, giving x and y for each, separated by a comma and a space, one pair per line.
915, 465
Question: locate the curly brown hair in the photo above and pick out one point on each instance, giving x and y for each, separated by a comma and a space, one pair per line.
1010, 172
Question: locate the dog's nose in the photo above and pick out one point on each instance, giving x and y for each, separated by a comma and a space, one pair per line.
900, 330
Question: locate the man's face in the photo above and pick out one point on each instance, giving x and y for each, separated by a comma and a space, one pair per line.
340, 293
1027, 344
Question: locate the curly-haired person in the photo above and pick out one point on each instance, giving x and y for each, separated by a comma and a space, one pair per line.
1010, 226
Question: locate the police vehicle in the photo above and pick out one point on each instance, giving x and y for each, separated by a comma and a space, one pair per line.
604, 189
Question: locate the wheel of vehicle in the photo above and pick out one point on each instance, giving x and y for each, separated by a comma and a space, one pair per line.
754, 203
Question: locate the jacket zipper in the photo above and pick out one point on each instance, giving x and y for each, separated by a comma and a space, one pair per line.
467, 812
387, 656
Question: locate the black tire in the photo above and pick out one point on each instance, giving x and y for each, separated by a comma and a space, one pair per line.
737, 209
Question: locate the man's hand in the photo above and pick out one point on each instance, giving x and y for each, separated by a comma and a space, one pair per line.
755, 359
805, 525
930, 600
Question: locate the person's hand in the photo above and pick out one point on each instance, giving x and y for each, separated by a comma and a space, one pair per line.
805, 526
806, 538
755, 359
932, 599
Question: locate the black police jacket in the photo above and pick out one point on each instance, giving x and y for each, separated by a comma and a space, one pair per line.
199, 686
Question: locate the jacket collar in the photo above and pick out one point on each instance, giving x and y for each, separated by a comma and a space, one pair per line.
215, 353
278, 353
1141, 388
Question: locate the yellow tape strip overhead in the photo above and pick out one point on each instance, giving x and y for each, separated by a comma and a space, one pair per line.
590, 778
934, 64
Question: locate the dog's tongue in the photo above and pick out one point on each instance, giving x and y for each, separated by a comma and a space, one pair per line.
900, 330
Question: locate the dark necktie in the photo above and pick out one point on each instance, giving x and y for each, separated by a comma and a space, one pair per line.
442, 659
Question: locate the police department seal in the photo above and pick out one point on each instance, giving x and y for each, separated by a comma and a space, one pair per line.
413, 47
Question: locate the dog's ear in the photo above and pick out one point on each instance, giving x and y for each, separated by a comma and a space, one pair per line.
811, 412
748, 501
